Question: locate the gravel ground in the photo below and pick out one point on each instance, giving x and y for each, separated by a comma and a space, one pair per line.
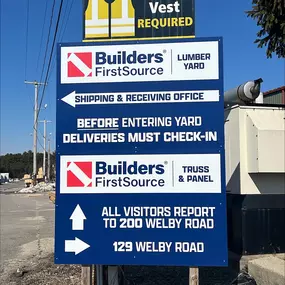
45, 272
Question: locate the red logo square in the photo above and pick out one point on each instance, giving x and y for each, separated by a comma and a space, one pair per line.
79, 174
79, 64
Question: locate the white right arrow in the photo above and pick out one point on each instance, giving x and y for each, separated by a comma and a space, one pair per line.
77, 218
75, 246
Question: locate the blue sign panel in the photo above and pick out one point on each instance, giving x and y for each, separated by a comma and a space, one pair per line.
140, 154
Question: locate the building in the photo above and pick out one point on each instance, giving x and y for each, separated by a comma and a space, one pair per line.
275, 96
4, 177
255, 171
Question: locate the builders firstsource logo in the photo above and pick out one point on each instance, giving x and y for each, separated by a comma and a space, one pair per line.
103, 174
111, 174
139, 62
80, 64
92, 64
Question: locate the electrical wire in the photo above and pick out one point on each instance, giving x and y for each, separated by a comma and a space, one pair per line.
49, 63
50, 58
39, 130
61, 35
41, 42
69, 12
48, 37
63, 17
49, 110
40, 143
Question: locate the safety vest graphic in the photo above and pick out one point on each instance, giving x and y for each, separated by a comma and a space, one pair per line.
98, 20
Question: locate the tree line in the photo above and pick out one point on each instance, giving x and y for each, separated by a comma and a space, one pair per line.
19, 164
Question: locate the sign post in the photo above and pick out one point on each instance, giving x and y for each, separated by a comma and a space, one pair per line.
140, 154
194, 276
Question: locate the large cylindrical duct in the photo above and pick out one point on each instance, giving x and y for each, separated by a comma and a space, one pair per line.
244, 93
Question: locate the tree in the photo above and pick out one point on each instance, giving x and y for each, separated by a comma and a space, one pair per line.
270, 16
19, 164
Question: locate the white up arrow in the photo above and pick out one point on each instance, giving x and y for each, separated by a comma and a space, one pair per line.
77, 218
75, 246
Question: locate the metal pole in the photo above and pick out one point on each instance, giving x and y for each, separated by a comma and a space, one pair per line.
35, 134
45, 139
99, 275
109, 2
45, 143
110, 19
48, 170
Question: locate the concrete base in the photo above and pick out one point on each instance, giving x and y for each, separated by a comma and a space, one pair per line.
268, 270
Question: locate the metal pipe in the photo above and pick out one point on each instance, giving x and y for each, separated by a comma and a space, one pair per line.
244, 93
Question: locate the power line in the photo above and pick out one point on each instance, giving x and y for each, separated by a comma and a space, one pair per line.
47, 44
61, 34
26, 50
63, 17
27, 36
39, 142
61, 37
41, 42
50, 58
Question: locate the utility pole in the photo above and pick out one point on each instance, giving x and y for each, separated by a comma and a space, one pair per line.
48, 170
35, 128
45, 143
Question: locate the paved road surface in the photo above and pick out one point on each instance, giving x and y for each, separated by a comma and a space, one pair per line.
24, 219
11, 187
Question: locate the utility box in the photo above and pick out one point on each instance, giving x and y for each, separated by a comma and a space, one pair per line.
255, 149
255, 177
265, 141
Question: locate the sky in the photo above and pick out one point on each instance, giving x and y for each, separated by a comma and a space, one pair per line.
22, 58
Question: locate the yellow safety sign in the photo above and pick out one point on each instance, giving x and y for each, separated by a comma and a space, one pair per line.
138, 19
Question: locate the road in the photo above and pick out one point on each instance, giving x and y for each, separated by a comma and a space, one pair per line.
27, 224
11, 187
27, 241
